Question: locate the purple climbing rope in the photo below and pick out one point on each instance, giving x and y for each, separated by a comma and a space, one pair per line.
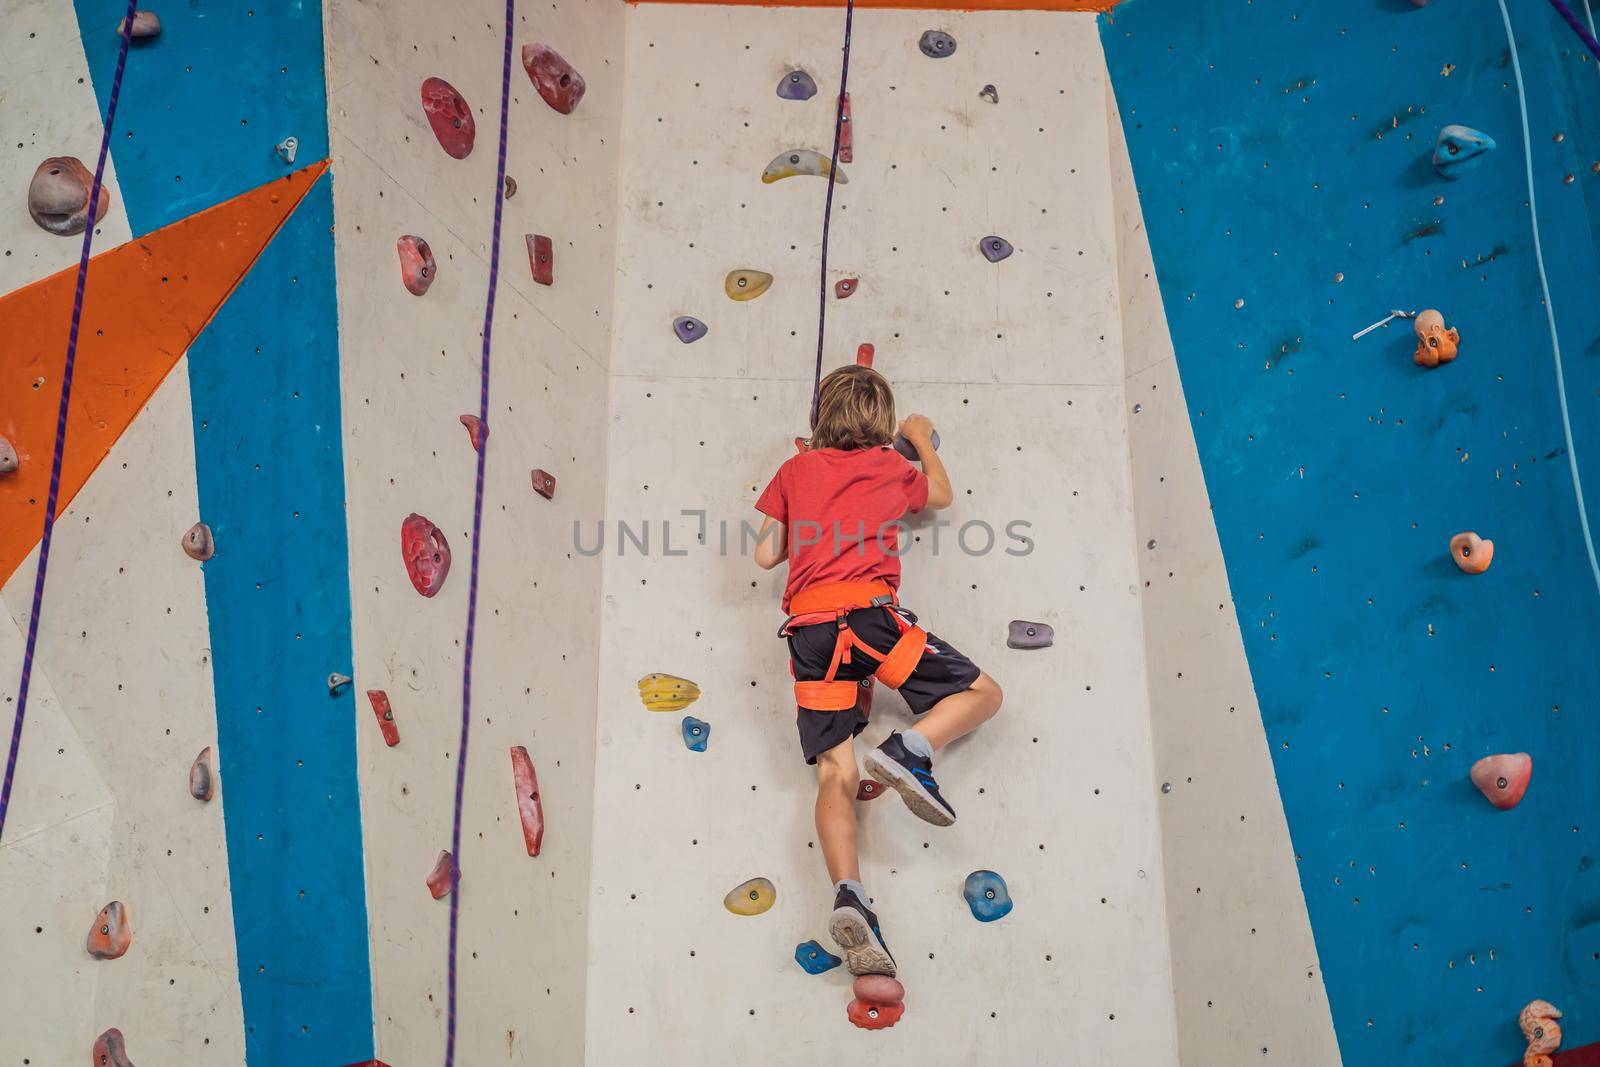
477, 528
61, 424
1577, 27
827, 209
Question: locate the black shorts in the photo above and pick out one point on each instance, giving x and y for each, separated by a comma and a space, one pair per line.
940, 672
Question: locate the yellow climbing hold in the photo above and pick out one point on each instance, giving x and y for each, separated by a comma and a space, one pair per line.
667, 692
746, 284
751, 898
798, 161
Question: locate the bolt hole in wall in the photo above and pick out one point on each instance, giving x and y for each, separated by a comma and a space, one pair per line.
1334, 164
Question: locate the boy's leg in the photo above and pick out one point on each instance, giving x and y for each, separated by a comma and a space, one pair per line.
960, 713
837, 780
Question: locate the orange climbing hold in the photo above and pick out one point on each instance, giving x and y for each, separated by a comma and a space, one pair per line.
111, 933
1472, 553
1435, 344
874, 1016
864, 355
1539, 1028
145, 303
1503, 778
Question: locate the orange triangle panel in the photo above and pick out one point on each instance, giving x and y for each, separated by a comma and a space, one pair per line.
145, 302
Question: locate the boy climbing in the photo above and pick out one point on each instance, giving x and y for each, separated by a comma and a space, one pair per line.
833, 511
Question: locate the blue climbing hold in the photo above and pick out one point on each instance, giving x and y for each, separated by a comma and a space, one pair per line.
987, 896
1459, 150
688, 328
695, 733
797, 85
814, 959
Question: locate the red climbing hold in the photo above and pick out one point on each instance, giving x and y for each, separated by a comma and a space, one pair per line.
477, 431
868, 789
416, 264
111, 933
846, 141
544, 483
541, 257
385, 714
864, 355
111, 1050
845, 288
449, 116
560, 85
426, 553
529, 807
1503, 778
874, 1016
439, 878
58, 196
802, 443
878, 989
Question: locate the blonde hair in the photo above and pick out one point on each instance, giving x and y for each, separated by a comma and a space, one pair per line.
855, 409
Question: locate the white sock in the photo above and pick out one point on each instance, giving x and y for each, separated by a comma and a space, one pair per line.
855, 887
917, 744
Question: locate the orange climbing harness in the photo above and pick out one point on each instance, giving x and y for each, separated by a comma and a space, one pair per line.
840, 599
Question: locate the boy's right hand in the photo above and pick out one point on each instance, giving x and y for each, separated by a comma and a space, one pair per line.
917, 428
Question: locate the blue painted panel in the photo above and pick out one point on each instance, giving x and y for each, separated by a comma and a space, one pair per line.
204, 104
1277, 146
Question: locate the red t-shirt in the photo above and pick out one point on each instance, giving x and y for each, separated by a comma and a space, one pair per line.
840, 509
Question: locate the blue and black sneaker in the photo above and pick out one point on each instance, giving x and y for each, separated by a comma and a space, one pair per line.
912, 777
855, 929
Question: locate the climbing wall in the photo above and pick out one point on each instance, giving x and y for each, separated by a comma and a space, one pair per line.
1282, 157
1019, 363
409, 368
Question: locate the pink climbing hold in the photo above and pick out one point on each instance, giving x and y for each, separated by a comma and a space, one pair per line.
560, 85
111, 933
544, 483
1472, 553
385, 715
477, 431
845, 288
8, 457
111, 1050
198, 544
450, 117
439, 883
529, 807
847, 140
145, 24
864, 355
541, 257
874, 1016
58, 196
416, 264
202, 784
1503, 778
1537, 1021
878, 989
426, 554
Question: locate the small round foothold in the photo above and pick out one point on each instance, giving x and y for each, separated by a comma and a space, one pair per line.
287, 148
873, 1016
1023, 634
868, 789
198, 544
994, 248
202, 785
688, 328
1503, 778
146, 24
8, 457
797, 85
989, 93
1472, 553
696, 732
58, 196
936, 44
751, 898
878, 989
844, 288
111, 933
337, 683
746, 284
987, 896
416, 264
511, 187
814, 959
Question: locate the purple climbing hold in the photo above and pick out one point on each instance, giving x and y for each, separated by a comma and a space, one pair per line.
797, 85
936, 44
688, 328
905, 448
994, 248
1024, 634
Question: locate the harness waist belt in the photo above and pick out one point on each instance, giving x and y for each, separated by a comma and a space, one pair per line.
894, 667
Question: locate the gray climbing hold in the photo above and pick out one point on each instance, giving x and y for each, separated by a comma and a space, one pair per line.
797, 85
989, 93
337, 683
936, 44
1023, 634
8, 457
58, 196
688, 328
201, 785
994, 248
288, 147
908, 450
1459, 150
